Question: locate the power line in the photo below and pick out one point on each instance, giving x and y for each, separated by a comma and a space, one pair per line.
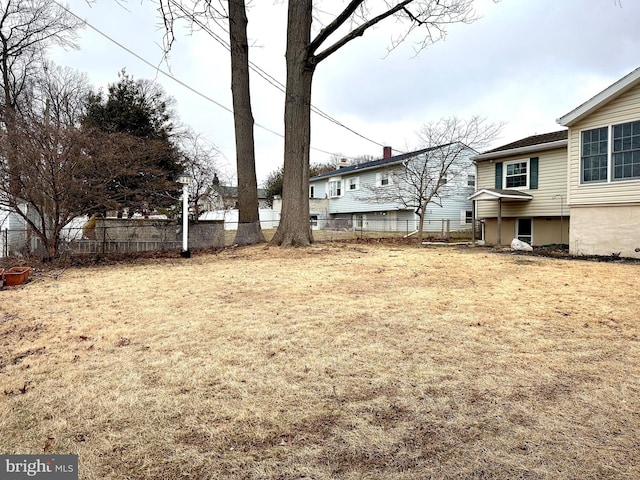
266, 76
204, 96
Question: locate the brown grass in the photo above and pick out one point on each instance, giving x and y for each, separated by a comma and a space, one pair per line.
332, 362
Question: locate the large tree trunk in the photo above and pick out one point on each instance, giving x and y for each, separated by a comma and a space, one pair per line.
295, 228
249, 231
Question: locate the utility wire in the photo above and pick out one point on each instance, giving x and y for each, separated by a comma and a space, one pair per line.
266, 76
257, 69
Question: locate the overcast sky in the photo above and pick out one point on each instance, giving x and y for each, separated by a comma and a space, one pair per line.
524, 62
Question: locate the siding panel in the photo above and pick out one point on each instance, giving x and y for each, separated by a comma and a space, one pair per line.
625, 108
552, 182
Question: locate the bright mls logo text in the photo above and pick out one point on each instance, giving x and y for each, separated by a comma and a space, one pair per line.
50, 467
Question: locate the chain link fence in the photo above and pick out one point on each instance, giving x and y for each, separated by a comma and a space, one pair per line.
143, 235
106, 236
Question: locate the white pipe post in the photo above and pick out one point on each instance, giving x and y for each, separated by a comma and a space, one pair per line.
185, 221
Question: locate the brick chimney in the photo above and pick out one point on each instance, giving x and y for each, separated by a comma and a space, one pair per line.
386, 152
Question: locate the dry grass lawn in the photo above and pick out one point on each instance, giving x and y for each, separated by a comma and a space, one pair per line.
341, 361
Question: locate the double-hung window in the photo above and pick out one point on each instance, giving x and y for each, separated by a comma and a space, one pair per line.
383, 179
595, 155
353, 183
335, 188
626, 151
471, 180
519, 174
516, 174
610, 153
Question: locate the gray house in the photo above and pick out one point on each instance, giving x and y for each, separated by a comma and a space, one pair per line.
380, 195
14, 235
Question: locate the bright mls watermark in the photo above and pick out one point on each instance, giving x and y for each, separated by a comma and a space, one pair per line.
46, 467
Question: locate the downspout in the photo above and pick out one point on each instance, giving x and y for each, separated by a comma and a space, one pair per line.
499, 221
473, 221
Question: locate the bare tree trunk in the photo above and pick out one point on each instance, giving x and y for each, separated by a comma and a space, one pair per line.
423, 211
295, 228
249, 231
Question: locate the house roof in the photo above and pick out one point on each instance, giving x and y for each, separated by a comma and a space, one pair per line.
377, 163
497, 194
232, 192
533, 143
605, 96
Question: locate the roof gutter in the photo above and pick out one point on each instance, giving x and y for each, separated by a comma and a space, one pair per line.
517, 151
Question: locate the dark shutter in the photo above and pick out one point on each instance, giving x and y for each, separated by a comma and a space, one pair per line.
499, 175
533, 176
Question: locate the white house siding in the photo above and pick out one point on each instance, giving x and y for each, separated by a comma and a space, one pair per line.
364, 198
320, 189
617, 231
268, 218
623, 109
552, 182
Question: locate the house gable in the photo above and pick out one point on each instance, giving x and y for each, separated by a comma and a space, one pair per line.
613, 175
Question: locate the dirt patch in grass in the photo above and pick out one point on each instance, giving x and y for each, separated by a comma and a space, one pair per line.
340, 361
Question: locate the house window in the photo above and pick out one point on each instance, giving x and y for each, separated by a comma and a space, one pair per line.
471, 180
626, 150
468, 217
360, 221
383, 179
525, 230
442, 181
353, 183
311, 191
516, 174
335, 188
594, 155
313, 219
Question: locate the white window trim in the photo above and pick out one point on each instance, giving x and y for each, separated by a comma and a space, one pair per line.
610, 178
469, 177
336, 180
379, 179
363, 220
357, 184
504, 174
609, 156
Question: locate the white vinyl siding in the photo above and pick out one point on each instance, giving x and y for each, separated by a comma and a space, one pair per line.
624, 109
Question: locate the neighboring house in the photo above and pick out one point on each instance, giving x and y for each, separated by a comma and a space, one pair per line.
269, 218
222, 197
522, 191
367, 195
604, 171
15, 237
